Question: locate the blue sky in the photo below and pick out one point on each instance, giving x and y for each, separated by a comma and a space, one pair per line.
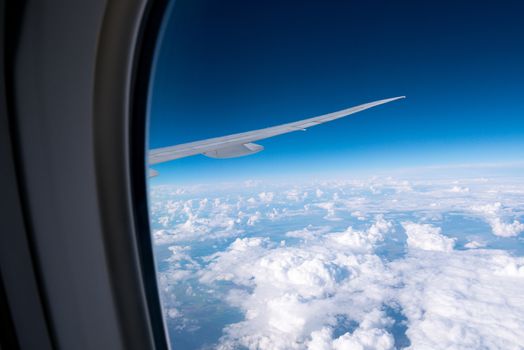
231, 66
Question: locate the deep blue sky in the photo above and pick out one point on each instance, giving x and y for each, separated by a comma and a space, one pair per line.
231, 66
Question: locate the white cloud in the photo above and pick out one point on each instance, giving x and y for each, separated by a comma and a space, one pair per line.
452, 299
370, 335
193, 214
458, 189
512, 269
293, 295
461, 300
427, 237
253, 219
196, 220
309, 233
296, 195
297, 291
488, 209
266, 197
359, 215
504, 229
173, 313
330, 208
475, 244
362, 240
494, 214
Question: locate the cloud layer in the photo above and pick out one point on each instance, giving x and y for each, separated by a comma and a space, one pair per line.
378, 264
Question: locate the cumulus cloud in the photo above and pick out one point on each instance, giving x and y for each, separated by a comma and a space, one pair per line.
254, 218
370, 335
462, 300
475, 244
458, 189
494, 214
291, 296
330, 208
293, 292
427, 237
173, 313
309, 233
186, 220
266, 197
359, 215
187, 214
362, 240
328, 286
504, 229
512, 268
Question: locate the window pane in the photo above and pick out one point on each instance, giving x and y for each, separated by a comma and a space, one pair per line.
398, 226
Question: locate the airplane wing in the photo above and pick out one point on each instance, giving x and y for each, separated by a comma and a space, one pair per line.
241, 144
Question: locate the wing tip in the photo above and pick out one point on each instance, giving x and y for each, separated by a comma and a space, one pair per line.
383, 101
391, 99
397, 98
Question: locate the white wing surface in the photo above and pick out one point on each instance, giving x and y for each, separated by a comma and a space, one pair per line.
240, 144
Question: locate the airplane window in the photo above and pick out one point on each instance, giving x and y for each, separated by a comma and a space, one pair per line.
299, 201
